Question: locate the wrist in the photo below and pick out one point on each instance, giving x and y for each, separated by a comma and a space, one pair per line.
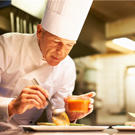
11, 108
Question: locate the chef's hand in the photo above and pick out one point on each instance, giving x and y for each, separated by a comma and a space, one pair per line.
31, 96
79, 115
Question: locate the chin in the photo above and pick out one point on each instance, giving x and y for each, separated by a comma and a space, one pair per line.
53, 63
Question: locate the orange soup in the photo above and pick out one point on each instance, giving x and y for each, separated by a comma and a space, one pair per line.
78, 105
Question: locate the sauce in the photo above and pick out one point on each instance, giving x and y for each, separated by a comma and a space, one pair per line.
78, 105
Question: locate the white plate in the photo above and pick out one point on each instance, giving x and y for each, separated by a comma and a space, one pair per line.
124, 127
63, 128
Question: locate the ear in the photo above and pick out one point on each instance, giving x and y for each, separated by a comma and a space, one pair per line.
39, 29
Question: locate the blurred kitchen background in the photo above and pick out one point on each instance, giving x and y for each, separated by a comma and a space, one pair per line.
104, 54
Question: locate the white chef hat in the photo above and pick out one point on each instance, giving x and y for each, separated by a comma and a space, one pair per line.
65, 18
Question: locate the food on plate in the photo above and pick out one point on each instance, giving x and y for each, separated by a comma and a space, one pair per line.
61, 119
46, 124
53, 124
76, 124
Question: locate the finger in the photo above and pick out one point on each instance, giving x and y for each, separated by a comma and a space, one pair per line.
43, 91
82, 115
65, 99
90, 94
32, 103
90, 106
35, 97
35, 92
91, 100
26, 104
90, 110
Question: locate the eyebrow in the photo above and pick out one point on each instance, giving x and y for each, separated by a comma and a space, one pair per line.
58, 40
70, 43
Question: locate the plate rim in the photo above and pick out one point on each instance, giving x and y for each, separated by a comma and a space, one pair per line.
124, 127
63, 128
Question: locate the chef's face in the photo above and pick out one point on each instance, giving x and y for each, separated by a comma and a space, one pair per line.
54, 49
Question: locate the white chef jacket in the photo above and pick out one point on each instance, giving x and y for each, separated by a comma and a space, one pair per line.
21, 61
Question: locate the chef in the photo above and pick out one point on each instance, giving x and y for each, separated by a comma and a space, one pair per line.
42, 56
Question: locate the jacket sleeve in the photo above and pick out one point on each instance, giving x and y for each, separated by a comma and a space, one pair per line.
4, 101
4, 108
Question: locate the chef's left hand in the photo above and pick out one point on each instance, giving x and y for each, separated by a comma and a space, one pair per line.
79, 115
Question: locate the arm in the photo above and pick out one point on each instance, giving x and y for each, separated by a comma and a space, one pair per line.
4, 101
32, 96
4, 108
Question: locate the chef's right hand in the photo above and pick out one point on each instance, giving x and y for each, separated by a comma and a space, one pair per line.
31, 96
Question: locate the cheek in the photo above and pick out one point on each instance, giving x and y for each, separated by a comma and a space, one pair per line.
52, 50
49, 52
67, 50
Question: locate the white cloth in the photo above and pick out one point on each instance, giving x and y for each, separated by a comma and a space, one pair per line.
65, 18
21, 61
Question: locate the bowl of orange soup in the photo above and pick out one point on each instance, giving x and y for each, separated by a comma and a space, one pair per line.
78, 104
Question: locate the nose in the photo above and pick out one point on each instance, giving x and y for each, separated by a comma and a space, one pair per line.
59, 52
60, 49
